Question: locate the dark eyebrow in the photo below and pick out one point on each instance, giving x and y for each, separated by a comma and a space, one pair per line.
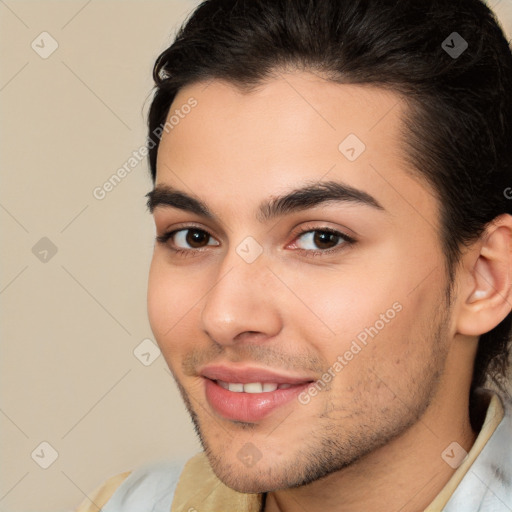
299, 199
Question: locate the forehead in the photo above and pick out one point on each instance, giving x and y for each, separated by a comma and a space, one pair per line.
294, 109
293, 128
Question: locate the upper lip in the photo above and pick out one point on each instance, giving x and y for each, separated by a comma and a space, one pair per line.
247, 374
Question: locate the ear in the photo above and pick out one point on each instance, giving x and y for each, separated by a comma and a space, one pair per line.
486, 286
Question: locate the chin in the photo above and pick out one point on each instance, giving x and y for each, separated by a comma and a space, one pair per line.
258, 479
245, 484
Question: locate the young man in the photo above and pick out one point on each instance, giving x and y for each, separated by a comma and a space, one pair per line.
331, 284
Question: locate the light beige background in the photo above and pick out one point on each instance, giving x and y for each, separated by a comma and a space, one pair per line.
70, 324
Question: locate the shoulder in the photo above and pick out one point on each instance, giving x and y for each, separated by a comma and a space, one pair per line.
97, 499
488, 483
151, 484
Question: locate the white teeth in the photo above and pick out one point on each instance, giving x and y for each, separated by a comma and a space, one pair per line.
252, 387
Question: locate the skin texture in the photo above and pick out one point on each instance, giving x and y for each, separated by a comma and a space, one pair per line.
387, 416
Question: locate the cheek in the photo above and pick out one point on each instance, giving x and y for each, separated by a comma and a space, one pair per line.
168, 301
156, 298
348, 303
380, 320
394, 352
364, 285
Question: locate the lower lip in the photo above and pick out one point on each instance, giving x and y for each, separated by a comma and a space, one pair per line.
248, 407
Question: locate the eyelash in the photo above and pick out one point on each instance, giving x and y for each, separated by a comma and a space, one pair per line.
164, 239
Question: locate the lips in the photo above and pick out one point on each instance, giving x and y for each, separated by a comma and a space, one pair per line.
248, 393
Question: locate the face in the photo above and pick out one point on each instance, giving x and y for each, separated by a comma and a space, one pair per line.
340, 302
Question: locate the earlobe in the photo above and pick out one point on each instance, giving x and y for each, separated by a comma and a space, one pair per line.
489, 276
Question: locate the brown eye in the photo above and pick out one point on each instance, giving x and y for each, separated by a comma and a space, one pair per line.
186, 239
321, 239
324, 240
190, 238
196, 237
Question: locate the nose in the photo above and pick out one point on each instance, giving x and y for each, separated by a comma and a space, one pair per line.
242, 304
